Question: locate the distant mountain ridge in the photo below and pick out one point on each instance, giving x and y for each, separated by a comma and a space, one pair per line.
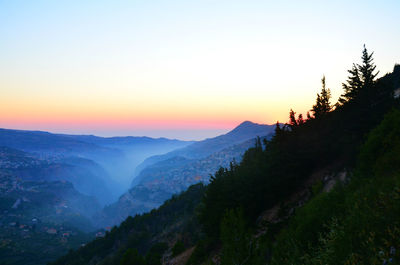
119, 140
87, 160
113, 158
244, 131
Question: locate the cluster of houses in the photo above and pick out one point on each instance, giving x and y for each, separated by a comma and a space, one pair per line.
60, 231
102, 233
33, 226
24, 229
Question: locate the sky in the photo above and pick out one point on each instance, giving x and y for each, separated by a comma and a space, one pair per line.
180, 69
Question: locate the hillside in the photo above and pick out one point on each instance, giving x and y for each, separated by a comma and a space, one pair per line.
366, 210
134, 151
159, 181
323, 190
42, 215
245, 131
29, 180
149, 234
86, 176
39, 221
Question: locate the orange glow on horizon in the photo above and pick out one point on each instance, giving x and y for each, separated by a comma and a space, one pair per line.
27, 114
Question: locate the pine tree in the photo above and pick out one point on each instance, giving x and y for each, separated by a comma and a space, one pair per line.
293, 122
279, 132
361, 79
300, 120
237, 244
292, 119
132, 257
322, 104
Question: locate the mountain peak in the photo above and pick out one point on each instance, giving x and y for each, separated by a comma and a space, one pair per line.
246, 124
247, 130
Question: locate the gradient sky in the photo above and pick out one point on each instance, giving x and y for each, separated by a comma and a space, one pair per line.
181, 69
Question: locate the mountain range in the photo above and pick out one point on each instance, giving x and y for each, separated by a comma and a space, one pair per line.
162, 176
104, 167
98, 166
62, 188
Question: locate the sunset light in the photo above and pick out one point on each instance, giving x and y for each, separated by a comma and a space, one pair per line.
125, 67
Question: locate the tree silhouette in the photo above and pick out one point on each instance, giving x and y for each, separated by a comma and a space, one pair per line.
322, 104
292, 119
361, 79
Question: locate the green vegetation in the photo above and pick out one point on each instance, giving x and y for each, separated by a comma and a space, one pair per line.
238, 248
354, 224
36, 246
38, 228
132, 257
178, 248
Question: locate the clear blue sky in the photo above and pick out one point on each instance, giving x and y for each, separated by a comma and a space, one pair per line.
184, 69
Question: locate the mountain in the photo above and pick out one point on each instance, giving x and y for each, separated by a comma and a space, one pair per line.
86, 176
177, 170
134, 150
89, 160
22, 173
43, 142
245, 131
